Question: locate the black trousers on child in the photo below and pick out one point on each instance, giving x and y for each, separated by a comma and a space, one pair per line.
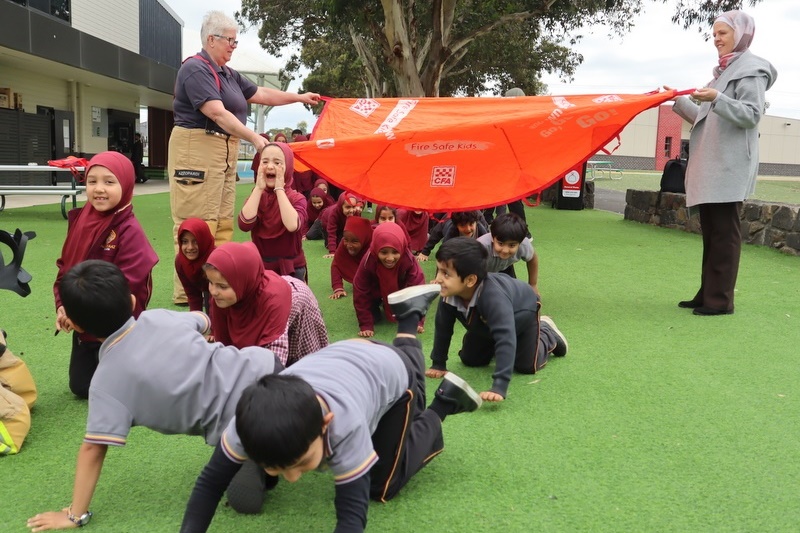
409, 435
83, 362
535, 341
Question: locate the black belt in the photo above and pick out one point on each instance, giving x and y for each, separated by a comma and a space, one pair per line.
225, 136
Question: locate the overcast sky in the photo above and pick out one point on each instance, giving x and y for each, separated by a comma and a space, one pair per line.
656, 53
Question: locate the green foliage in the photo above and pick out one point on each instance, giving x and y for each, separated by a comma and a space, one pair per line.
336, 70
701, 13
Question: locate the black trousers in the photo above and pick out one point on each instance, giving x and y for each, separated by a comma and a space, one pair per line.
409, 435
722, 248
535, 341
82, 363
316, 231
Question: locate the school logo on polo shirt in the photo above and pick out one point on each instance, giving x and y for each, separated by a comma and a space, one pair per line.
110, 243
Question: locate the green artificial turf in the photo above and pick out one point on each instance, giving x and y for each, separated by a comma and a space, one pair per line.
656, 420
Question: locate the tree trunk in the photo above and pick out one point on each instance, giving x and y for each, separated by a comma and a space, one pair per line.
373, 80
401, 58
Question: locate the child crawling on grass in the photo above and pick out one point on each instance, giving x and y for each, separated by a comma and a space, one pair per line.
500, 314
156, 371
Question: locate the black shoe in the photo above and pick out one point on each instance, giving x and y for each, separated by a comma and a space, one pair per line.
708, 311
415, 299
457, 392
561, 341
690, 304
247, 490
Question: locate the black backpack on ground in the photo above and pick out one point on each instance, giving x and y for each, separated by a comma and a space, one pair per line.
672, 180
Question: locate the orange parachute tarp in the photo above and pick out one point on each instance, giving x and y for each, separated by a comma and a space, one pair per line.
447, 154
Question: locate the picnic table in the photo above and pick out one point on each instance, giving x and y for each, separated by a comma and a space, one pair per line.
602, 169
72, 189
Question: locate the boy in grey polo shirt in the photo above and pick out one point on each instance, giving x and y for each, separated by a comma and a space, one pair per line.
508, 243
158, 371
356, 407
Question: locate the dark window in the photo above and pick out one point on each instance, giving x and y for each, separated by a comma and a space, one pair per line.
668, 147
159, 34
60, 9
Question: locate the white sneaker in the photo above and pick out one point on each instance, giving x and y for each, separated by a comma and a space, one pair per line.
561, 341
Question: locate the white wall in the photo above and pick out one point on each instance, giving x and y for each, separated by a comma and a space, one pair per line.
115, 21
778, 143
89, 97
36, 89
639, 136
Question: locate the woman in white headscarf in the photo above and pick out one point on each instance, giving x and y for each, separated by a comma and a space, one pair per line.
723, 162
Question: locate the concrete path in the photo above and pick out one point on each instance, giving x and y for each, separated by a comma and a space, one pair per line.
28, 200
608, 200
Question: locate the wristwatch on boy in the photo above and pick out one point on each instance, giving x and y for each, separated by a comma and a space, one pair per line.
81, 520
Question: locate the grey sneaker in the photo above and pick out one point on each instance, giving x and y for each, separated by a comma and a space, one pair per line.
456, 391
415, 299
561, 341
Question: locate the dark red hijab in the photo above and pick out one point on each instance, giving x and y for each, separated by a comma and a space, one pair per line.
205, 244
91, 223
417, 226
264, 298
271, 224
390, 235
348, 264
312, 212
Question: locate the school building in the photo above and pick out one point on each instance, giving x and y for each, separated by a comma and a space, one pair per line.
74, 75
658, 135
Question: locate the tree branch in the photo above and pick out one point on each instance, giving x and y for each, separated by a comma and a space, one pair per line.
488, 28
368, 58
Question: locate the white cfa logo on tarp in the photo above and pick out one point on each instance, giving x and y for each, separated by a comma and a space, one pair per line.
562, 103
365, 106
606, 99
325, 143
443, 176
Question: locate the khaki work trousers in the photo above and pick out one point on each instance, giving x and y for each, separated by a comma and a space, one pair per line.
202, 184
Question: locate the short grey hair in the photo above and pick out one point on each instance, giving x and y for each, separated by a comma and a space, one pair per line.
516, 91
216, 23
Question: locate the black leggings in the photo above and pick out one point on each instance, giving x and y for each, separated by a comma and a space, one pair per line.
408, 435
82, 364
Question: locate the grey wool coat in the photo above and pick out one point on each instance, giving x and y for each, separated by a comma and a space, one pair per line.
723, 147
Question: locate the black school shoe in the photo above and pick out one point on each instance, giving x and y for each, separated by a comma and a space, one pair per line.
248, 488
457, 392
415, 299
708, 311
690, 304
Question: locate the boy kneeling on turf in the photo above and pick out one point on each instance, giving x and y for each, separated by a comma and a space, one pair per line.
355, 406
500, 314
156, 371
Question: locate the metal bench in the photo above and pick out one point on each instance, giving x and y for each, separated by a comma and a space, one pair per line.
66, 191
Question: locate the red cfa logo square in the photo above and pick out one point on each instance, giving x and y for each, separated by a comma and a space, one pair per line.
443, 177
